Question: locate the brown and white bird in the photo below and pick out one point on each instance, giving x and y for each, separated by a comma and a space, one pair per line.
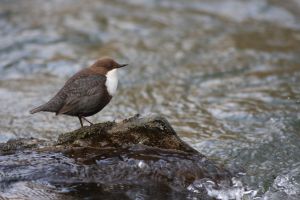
86, 92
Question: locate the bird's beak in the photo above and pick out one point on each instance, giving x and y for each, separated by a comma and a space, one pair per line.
122, 65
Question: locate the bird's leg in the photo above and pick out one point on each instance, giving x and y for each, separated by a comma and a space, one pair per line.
80, 121
87, 120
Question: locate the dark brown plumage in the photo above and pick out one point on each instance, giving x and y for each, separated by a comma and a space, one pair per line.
86, 92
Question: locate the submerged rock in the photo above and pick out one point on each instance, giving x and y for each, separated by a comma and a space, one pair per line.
138, 156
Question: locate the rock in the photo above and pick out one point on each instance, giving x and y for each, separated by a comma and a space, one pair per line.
19, 144
109, 160
152, 131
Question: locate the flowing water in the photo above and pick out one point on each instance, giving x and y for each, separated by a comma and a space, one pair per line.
225, 73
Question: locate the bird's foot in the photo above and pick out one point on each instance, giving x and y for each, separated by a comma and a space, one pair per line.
87, 121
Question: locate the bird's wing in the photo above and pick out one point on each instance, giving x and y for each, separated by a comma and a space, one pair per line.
80, 88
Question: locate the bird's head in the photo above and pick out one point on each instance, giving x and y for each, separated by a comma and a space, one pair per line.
106, 64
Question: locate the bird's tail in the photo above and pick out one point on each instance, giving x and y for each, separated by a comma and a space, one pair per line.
37, 109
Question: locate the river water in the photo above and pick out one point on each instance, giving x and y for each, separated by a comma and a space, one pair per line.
226, 74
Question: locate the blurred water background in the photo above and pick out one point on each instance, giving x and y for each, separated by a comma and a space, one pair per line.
225, 73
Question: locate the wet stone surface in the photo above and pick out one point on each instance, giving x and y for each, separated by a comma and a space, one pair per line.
136, 154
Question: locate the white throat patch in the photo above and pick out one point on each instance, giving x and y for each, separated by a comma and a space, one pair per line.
112, 81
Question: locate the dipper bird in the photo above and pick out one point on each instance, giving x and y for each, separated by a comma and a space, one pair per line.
86, 92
